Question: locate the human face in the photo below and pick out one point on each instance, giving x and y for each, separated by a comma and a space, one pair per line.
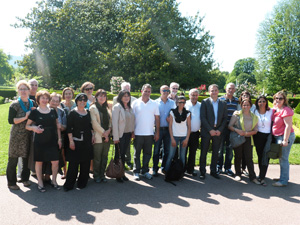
88, 90
174, 89
194, 97
230, 90
246, 106
54, 102
81, 102
262, 103
181, 103
68, 95
127, 88
125, 99
44, 100
279, 100
213, 92
165, 92
101, 99
245, 96
146, 93
33, 87
23, 91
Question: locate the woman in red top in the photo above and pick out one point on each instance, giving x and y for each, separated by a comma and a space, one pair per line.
283, 132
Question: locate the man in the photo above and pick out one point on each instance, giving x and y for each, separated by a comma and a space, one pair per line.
146, 112
165, 105
126, 86
194, 107
174, 87
33, 88
232, 104
213, 116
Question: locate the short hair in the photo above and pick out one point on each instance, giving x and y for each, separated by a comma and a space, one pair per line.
85, 84
101, 92
22, 82
181, 97
229, 84
67, 89
213, 85
80, 95
125, 84
41, 93
193, 90
173, 84
146, 86
246, 100
163, 86
244, 92
120, 96
54, 94
265, 98
32, 80
285, 101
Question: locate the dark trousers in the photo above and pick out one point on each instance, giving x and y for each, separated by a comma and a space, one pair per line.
73, 173
192, 149
145, 143
228, 150
205, 142
123, 144
260, 140
164, 141
245, 149
11, 170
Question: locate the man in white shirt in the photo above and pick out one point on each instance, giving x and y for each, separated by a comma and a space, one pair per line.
174, 87
194, 107
146, 112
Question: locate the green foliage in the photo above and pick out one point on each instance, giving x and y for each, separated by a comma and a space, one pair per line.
278, 47
244, 71
297, 109
6, 70
2, 99
142, 41
8, 93
218, 77
251, 88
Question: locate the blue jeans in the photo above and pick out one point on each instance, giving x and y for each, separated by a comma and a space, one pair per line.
228, 153
173, 150
284, 160
164, 137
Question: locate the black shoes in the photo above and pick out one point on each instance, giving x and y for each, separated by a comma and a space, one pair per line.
202, 176
215, 175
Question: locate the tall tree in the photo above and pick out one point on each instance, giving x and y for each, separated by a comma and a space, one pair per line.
278, 47
6, 70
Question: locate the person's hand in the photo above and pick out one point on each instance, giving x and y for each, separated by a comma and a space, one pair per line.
240, 132
38, 130
33, 108
59, 143
173, 142
93, 139
212, 133
116, 142
218, 133
156, 136
27, 114
284, 143
185, 143
72, 145
132, 135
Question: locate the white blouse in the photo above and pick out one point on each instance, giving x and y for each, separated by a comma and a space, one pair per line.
264, 121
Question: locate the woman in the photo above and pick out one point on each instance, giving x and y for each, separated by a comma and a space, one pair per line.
101, 121
123, 126
47, 139
67, 105
244, 122
19, 141
88, 89
264, 115
80, 152
180, 129
283, 132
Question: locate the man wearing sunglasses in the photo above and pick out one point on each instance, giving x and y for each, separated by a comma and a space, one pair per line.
174, 87
165, 105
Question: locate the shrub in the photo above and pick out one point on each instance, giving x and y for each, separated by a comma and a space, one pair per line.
2, 99
297, 109
115, 84
7, 93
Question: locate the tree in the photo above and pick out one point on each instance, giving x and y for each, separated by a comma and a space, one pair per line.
6, 70
278, 47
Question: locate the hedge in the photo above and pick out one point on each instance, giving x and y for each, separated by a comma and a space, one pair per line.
8, 93
2, 99
293, 102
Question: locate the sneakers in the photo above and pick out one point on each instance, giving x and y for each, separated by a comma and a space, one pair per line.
14, 187
255, 181
229, 172
245, 173
26, 183
278, 184
147, 175
136, 176
237, 178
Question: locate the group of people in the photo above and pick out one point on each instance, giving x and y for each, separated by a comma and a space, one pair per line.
49, 130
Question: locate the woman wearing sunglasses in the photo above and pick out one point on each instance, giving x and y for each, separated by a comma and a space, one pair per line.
88, 88
283, 133
80, 152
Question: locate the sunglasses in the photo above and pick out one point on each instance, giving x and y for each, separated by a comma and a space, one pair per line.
166, 90
88, 89
181, 102
277, 98
82, 99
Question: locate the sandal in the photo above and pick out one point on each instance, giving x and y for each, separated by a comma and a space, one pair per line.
41, 189
55, 186
263, 182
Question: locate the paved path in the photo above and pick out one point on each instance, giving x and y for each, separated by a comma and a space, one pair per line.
157, 202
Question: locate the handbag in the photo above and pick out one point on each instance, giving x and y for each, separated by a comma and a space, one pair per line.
115, 169
235, 139
275, 151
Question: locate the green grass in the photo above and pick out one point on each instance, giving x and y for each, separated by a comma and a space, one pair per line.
5, 132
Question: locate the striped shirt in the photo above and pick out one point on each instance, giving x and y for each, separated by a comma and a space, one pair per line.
232, 105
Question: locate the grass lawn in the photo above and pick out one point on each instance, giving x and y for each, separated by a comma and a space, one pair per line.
5, 131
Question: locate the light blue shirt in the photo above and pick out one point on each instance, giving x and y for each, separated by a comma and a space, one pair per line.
215, 106
164, 110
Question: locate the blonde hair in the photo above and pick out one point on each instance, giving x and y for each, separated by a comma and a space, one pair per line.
22, 82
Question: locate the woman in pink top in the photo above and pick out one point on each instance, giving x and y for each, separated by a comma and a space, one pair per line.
283, 132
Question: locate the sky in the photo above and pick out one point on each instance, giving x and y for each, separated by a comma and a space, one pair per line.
233, 23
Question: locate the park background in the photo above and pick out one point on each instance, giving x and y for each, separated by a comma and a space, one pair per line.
150, 41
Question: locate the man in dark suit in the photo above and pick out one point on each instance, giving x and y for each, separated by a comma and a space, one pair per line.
213, 116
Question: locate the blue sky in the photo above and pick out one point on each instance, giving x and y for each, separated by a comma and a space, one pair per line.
233, 23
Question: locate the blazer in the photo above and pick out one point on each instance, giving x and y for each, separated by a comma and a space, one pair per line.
119, 121
207, 117
132, 99
96, 123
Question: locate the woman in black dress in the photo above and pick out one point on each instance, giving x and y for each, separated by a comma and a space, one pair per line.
80, 153
47, 139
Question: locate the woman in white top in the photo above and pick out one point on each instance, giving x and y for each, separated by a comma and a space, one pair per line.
264, 114
180, 129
